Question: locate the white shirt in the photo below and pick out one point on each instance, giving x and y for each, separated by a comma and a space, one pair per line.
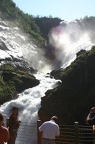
50, 129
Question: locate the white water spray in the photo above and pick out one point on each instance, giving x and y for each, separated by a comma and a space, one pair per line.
13, 43
28, 103
67, 41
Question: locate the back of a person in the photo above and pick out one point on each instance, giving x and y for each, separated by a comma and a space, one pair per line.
50, 130
3, 131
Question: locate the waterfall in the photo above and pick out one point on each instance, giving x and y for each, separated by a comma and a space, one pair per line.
67, 40
16, 44
28, 103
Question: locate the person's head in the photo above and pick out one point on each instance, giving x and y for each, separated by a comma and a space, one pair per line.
54, 118
92, 110
1, 118
15, 110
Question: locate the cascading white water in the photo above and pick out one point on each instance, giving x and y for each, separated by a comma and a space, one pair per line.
28, 103
13, 43
67, 41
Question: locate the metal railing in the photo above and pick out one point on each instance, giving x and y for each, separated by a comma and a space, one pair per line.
69, 134
72, 134
27, 134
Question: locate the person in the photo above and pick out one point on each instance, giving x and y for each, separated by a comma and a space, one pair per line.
4, 133
49, 129
13, 124
91, 118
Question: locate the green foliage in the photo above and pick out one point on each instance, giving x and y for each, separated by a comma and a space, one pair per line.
12, 81
7, 67
10, 68
17, 80
9, 11
37, 27
45, 24
6, 91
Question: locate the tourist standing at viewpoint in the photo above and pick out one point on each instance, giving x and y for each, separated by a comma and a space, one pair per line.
13, 125
91, 118
4, 133
50, 130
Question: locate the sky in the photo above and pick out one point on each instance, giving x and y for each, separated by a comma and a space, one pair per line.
67, 10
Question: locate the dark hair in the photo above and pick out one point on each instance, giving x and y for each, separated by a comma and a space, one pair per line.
1, 117
14, 108
55, 118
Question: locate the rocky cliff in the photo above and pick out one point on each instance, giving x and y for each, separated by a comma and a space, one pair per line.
72, 100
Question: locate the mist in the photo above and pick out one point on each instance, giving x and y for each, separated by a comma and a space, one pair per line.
66, 40
16, 44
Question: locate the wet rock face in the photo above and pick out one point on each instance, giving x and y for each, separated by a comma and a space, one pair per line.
72, 100
43, 115
14, 80
21, 82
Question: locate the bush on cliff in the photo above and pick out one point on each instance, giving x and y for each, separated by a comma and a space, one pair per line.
13, 81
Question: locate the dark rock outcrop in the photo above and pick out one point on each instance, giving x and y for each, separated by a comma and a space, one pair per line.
14, 80
21, 82
73, 99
